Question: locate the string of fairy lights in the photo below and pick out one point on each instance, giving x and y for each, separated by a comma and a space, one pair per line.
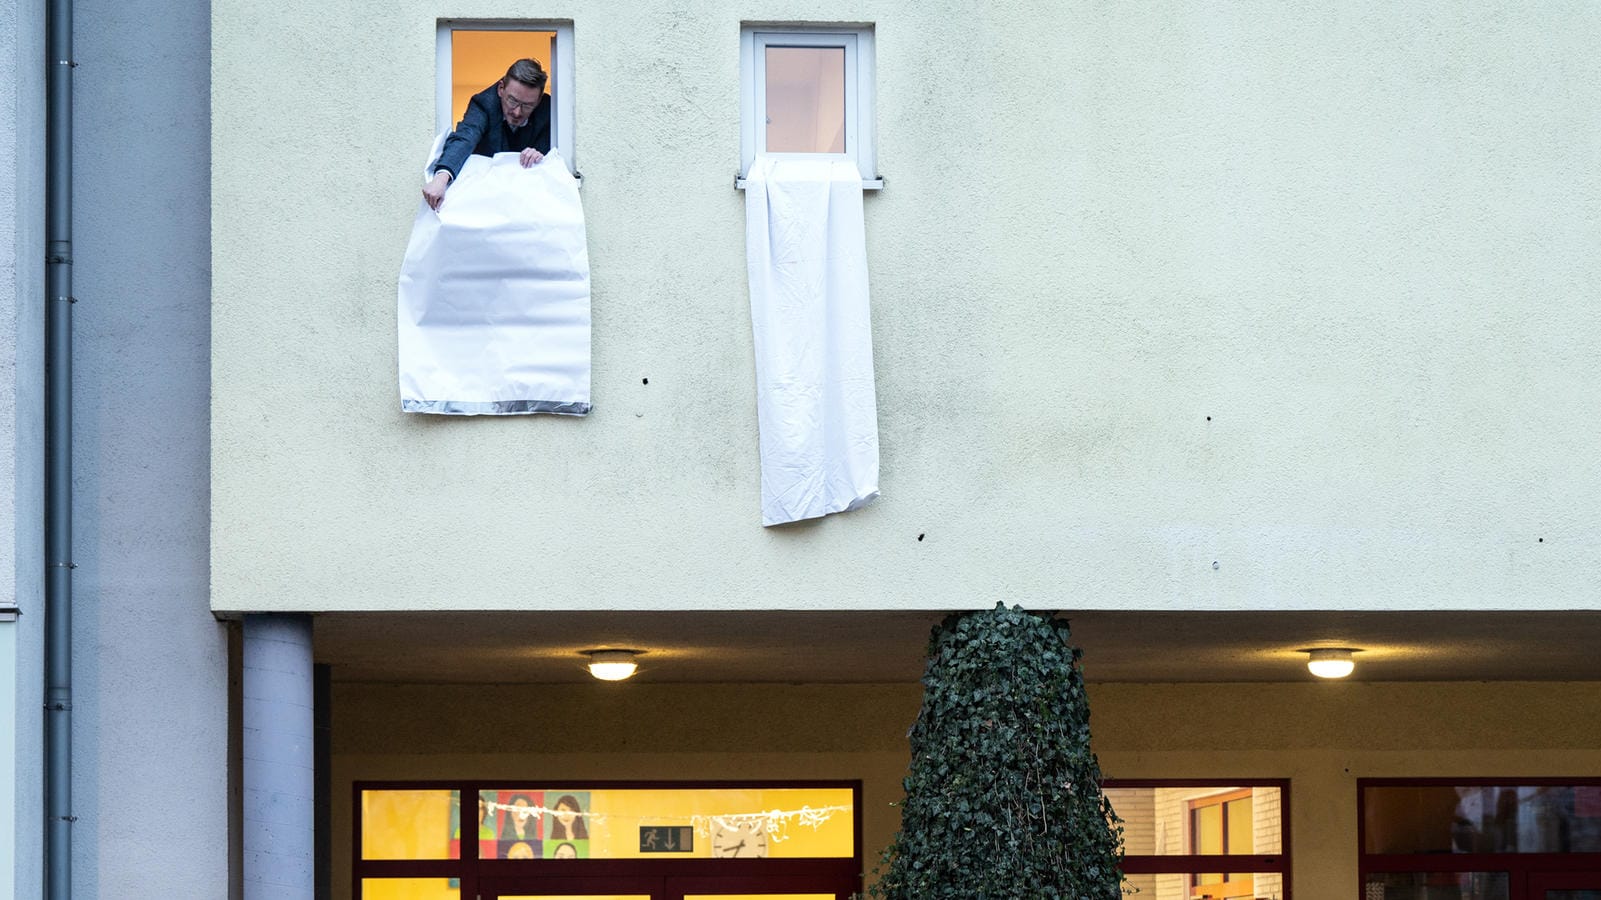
773, 822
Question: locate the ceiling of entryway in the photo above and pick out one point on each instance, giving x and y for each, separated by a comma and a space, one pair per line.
871, 647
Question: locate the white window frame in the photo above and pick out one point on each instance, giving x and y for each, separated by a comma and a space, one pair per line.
561, 64
857, 42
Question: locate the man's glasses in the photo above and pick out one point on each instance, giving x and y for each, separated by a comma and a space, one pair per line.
513, 105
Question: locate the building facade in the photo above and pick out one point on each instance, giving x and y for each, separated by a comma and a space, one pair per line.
1229, 332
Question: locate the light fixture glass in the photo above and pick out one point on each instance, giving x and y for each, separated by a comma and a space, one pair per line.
612, 665
1330, 662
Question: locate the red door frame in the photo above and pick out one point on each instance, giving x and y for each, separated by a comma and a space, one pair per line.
1540, 882
670, 887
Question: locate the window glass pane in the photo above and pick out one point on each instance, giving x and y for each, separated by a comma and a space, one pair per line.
667, 823
1206, 834
515, 820
1436, 886
1482, 819
410, 824
1240, 826
805, 99
478, 59
408, 889
1156, 820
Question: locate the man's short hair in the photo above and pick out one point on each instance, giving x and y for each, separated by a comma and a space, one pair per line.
527, 71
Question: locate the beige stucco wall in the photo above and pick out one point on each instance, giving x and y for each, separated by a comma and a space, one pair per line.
1322, 737
1174, 307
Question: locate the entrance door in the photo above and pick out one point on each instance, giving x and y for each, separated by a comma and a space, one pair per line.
607, 841
1565, 886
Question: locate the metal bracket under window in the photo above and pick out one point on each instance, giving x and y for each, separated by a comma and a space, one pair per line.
868, 184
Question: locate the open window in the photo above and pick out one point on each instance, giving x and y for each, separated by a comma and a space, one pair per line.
808, 91
474, 54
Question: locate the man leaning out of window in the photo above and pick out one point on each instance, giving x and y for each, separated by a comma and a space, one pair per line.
510, 116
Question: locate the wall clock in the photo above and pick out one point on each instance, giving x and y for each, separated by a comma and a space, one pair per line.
742, 840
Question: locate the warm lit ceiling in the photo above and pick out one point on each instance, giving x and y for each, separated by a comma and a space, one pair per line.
869, 647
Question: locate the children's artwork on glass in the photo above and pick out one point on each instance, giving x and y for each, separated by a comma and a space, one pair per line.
488, 825
555, 849
566, 820
455, 824
487, 819
529, 849
519, 825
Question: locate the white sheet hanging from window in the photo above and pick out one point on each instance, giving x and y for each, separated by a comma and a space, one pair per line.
806, 248
494, 295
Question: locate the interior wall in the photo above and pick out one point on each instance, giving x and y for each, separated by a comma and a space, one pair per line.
480, 58
1320, 736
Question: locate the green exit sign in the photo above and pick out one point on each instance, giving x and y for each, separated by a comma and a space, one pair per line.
666, 839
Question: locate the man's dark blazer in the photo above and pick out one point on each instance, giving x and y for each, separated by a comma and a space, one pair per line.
483, 130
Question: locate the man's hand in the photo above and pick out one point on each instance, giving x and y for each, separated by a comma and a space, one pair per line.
530, 157
433, 193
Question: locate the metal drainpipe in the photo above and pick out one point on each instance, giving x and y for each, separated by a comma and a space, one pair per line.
58, 452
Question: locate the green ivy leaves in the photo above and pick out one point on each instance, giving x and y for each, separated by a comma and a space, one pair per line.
1003, 799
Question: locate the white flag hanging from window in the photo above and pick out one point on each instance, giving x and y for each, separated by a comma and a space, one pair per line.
816, 408
494, 295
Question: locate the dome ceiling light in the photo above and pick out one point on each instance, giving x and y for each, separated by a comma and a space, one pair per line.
612, 665
1330, 662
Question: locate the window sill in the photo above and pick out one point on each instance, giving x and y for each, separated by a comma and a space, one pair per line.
868, 184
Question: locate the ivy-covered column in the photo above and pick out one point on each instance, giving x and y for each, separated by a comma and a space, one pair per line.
1003, 801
